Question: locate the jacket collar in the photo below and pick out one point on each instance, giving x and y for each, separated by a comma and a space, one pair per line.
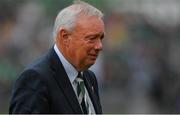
64, 83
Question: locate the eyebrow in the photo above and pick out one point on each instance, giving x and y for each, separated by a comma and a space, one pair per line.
95, 35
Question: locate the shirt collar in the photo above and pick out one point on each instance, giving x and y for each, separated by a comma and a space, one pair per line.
70, 70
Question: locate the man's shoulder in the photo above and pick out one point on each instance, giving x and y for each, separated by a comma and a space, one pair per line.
42, 63
39, 67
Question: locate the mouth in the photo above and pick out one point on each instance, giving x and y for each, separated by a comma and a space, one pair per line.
93, 56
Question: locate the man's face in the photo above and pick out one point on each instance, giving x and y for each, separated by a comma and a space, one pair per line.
85, 42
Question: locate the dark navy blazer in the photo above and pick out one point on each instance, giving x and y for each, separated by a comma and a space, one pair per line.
44, 87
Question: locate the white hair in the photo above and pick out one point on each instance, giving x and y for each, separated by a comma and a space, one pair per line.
68, 16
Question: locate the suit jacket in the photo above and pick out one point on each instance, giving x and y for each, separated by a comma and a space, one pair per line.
44, 87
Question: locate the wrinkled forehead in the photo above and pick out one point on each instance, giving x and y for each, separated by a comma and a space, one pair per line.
91, 23
92, 20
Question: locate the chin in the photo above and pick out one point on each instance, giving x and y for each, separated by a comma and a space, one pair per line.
88, 66
91, 63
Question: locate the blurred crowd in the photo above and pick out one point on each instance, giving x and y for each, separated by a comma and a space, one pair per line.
139, 68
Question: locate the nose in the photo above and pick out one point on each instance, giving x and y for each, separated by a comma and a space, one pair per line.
98, 45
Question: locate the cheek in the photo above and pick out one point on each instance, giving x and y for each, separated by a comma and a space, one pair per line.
80, 50
86, 49
81, 53
89, 49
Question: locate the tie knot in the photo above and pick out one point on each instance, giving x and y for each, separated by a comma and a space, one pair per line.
79, 75
79, 78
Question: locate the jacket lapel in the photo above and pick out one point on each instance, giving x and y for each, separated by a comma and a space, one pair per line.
64, 83
91, 92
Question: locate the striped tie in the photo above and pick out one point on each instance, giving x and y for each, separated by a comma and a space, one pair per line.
81, 93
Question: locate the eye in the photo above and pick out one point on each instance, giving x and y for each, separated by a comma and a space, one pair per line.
91, 38
94, 38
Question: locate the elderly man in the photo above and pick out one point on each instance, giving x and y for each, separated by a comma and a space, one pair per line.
59, 81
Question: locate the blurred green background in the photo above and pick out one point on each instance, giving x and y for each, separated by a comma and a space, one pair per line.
139, 68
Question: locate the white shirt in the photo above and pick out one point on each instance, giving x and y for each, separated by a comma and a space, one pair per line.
72, 74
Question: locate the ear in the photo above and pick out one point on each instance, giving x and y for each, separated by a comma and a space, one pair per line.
64, 36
